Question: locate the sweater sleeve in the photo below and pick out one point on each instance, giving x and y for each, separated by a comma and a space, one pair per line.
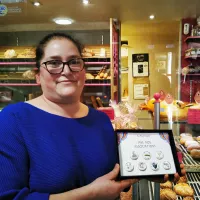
14, 161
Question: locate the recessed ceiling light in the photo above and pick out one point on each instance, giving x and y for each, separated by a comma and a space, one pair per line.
86, 2
63, 21
151, 17
36, 3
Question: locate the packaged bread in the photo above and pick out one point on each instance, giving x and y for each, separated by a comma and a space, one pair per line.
195, 153
167, 194
184, 190
193, 146
167, 184
183, 179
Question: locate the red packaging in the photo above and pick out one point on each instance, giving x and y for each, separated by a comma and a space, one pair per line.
193, 116
109, 111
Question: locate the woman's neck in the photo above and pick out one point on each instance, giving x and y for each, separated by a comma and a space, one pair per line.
68, 109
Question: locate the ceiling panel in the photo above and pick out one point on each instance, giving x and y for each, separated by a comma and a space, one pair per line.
99, 11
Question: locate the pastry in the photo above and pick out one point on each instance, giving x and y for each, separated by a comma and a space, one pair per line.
187, 143
126, 195
185, 134
188, 198
193, 146
167, 184
195, 153
186, 138
184, 190
183, 179
167, 194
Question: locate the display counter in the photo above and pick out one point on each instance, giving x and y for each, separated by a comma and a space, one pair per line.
145, 189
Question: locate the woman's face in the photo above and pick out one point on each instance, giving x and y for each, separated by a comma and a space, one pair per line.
64, 87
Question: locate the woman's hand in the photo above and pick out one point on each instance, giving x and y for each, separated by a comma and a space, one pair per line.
166, 177
176, 175
107, 188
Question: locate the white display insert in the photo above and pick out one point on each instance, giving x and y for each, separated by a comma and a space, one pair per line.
143, 154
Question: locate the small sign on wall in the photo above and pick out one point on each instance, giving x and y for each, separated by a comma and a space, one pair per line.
141, 91
140, 65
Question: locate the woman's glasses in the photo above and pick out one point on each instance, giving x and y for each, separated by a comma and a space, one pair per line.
57, 66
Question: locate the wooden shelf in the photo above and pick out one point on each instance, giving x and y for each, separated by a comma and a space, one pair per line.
192, 57
19, 84
97, 84
197, 74
97, 63
192, 39
35, 84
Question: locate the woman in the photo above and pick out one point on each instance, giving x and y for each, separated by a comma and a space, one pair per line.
54, 147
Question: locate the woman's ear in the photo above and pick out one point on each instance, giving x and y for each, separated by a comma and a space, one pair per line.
37, 77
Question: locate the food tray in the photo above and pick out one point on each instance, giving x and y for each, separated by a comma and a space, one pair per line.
193, 181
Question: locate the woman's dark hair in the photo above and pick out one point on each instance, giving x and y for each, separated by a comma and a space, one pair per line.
43, 43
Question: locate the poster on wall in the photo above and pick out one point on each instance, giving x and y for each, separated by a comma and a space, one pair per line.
140, 65
141, 91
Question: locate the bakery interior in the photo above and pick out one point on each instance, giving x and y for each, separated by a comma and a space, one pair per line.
133, 49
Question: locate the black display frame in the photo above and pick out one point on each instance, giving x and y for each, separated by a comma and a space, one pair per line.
173, 149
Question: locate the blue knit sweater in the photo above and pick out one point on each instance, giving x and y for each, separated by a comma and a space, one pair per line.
43, 153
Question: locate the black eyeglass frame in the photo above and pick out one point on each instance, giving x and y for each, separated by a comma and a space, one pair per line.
64, 63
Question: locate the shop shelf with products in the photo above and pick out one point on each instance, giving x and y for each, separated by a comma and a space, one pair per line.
190, 63
97, 90
12, 77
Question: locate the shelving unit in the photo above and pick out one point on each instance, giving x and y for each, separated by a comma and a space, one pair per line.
190, 83
191, 38
94, 86
192, 57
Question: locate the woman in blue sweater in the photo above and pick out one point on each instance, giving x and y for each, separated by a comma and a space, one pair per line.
54, 147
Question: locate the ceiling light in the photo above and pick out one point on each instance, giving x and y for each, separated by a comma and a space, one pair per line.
36, 3
63, 21
86, 2
151, 17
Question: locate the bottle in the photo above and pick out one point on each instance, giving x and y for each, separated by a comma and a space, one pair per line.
192, 31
